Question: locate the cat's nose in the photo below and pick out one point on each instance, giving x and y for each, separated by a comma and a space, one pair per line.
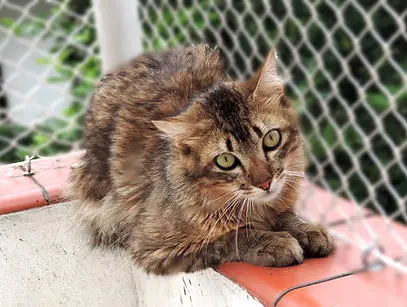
265, 185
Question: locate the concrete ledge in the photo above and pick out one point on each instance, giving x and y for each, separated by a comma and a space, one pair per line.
45, 261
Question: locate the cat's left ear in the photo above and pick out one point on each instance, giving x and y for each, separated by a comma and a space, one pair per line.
172, 127
267, 80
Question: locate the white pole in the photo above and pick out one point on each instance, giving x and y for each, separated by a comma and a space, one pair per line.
118, 30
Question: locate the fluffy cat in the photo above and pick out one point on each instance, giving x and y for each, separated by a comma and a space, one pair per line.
188, 169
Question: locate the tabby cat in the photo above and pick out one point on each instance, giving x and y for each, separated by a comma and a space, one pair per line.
188, 169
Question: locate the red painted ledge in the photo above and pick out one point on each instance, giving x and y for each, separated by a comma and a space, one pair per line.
43, 187
381, 287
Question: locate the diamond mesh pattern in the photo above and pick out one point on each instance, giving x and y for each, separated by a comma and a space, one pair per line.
47, 56
344, 63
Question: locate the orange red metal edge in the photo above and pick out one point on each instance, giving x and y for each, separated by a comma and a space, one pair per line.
381, 287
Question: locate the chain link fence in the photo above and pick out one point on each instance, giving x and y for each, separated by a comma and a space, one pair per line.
344, 62
49, 64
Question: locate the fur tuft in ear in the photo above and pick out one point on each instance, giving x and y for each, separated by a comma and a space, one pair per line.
268, 81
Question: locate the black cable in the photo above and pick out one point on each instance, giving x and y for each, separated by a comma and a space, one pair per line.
361, 270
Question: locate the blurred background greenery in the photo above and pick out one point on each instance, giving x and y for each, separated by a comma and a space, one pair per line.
346, 75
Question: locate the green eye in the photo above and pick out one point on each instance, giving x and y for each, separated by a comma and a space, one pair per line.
226, 161
272, 139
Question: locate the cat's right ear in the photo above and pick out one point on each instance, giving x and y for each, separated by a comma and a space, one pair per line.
268, 79
266, 82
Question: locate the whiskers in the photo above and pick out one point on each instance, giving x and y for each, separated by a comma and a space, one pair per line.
294, 174
248, 203
236, 210
230, 205
238, 226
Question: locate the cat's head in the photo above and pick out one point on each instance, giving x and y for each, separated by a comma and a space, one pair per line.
239, 140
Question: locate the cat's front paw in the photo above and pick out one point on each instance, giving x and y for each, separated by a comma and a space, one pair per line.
276, 249
314, 240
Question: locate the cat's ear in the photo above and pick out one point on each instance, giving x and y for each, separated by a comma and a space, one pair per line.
268, 82
172, 127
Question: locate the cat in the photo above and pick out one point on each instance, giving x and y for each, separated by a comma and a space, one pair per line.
188, 169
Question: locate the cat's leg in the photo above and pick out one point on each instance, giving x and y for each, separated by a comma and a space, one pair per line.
314, 239
259, 247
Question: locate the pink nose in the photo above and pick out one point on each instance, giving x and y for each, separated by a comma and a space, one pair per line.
265, 185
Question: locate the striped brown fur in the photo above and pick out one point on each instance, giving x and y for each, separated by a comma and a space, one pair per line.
149, 182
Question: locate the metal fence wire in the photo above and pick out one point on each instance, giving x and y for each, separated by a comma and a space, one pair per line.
344, 62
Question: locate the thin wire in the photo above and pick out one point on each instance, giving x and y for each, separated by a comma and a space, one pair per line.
375, 265
43, 190
28, 172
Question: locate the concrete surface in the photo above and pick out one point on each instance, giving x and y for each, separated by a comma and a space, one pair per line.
45, 261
